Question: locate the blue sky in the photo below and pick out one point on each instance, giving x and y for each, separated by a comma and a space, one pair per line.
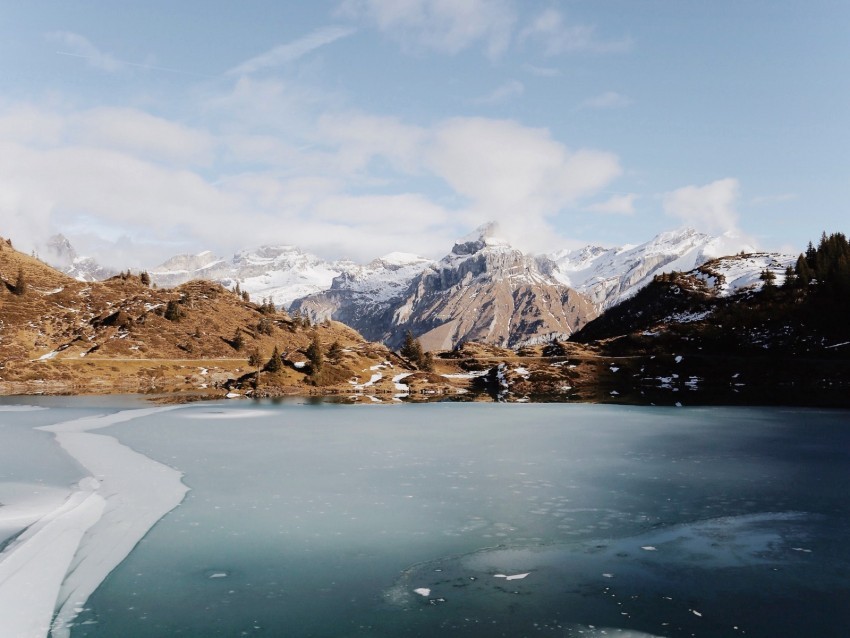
357, 127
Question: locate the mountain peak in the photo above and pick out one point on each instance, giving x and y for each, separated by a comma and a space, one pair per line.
60, 251
488, 234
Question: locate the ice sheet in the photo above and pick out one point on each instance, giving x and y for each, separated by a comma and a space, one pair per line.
60, 559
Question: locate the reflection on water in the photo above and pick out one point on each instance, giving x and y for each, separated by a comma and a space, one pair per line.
483, 520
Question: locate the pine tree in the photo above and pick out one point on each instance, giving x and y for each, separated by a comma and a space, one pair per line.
245, 296
804, 272
314, 354
411, 349
238, 290
264, 326
173, 312
145, 278
274, 364
20, 283
790, 279
768, 277
334, 352
428, 362
255, 358
238, 340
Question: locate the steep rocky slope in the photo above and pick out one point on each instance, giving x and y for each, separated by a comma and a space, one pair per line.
489, 292
365, 297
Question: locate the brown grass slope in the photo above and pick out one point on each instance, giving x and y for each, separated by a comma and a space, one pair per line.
62, 335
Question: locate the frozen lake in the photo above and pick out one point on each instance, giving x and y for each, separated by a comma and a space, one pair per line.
291, 519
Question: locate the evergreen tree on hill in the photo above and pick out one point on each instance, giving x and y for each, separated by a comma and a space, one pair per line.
314, 354
20, 283
274, 364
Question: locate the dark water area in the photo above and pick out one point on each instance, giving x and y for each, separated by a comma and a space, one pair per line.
489, 520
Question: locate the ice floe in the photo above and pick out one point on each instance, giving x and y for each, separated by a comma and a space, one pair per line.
512, 577
49, 571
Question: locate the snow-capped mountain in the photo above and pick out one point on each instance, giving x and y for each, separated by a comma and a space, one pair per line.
609, 276
485, 290
283, 273
365, 297
62, 256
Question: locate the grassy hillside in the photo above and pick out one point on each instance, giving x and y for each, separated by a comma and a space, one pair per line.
61, 335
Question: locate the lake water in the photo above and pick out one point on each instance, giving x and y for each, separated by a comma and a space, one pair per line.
438, 519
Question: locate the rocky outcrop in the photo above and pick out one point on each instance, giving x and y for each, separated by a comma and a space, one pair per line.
365, 297
489, 292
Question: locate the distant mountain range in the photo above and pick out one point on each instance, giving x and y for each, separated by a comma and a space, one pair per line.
484, 290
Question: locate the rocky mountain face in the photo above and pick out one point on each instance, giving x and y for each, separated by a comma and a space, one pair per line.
62, 256
489, 292
283, 273
365, 297
483, 290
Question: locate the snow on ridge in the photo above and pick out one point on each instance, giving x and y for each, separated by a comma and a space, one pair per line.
742, 272
402, 259
613, 275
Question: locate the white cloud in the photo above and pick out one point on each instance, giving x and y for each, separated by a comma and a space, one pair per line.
291, 51
551, 32
334, 181
607, 100
358, 138
515, 175
79, 46
616, 205
446, 26
502, 93
710, 208
136, 131
29, 124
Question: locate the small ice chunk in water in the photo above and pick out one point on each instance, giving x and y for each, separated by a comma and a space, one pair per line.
649, 548
696, 613
607, 575
422, 591
218, 575
513, 577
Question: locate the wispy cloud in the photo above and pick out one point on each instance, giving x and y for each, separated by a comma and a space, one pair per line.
555, 36
710, 207
502, 93
616, 205
445, 26
81, 47
291, 51
607, 100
